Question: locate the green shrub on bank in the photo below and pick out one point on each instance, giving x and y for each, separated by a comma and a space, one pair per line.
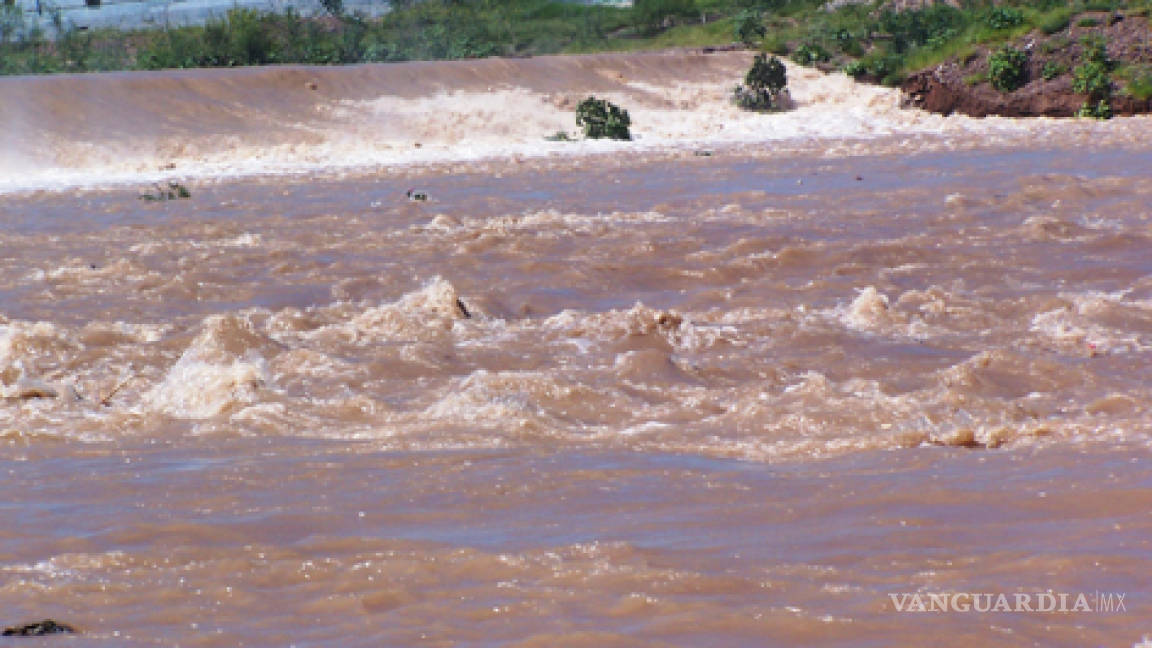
1055, 21
930, 26
865, 39
879, 66
750, 28
1004, 18
602, 119
1093, 78
775, 44
1053, 69
1008, 69
1140, 88
1095, 48
810, 54
1099, 110
892, 44
1138, 82
651, 16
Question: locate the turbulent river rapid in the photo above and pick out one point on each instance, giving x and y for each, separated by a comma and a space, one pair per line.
746, 380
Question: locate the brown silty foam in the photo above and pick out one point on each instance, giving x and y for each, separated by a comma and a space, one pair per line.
600, 396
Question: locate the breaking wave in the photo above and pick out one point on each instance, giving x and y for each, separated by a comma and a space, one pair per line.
97, 129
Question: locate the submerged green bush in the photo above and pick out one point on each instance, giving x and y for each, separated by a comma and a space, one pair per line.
765, 85
165, 192
602, 119
1007, 69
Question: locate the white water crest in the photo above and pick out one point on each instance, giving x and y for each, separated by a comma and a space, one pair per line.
143, 127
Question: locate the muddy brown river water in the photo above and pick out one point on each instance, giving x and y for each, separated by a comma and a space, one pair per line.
851, 360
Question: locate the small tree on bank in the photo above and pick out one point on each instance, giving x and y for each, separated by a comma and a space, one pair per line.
1008, 69
1093, 79
600, 118
765, 86
749, 28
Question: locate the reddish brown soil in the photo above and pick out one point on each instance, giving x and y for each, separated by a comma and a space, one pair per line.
958, 86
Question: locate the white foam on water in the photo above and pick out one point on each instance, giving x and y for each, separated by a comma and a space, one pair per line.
194, 388
211, 378
427, 313
1083, 324
871, 311
472, 122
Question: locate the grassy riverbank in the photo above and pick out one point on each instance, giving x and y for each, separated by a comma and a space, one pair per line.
870, 40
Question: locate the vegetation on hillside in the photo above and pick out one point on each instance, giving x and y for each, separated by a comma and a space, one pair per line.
866, 38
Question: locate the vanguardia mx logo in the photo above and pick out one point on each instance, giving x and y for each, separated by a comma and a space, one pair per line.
1049, 602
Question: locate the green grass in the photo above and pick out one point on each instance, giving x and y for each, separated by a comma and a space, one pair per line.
1137, 81
874, 43
1054, 21
694, 35
421, 31
1053, 69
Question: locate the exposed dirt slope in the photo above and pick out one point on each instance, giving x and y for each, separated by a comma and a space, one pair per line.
960, 86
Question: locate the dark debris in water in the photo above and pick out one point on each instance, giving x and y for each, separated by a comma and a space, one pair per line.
38, 629
171, 191
463, 309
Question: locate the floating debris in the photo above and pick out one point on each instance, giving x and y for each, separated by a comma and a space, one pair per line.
26, 389
463, 309
171, 191
559, 136
41, 628
417, 196
107, 400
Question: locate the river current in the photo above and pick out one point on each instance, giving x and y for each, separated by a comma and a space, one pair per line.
748, 380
